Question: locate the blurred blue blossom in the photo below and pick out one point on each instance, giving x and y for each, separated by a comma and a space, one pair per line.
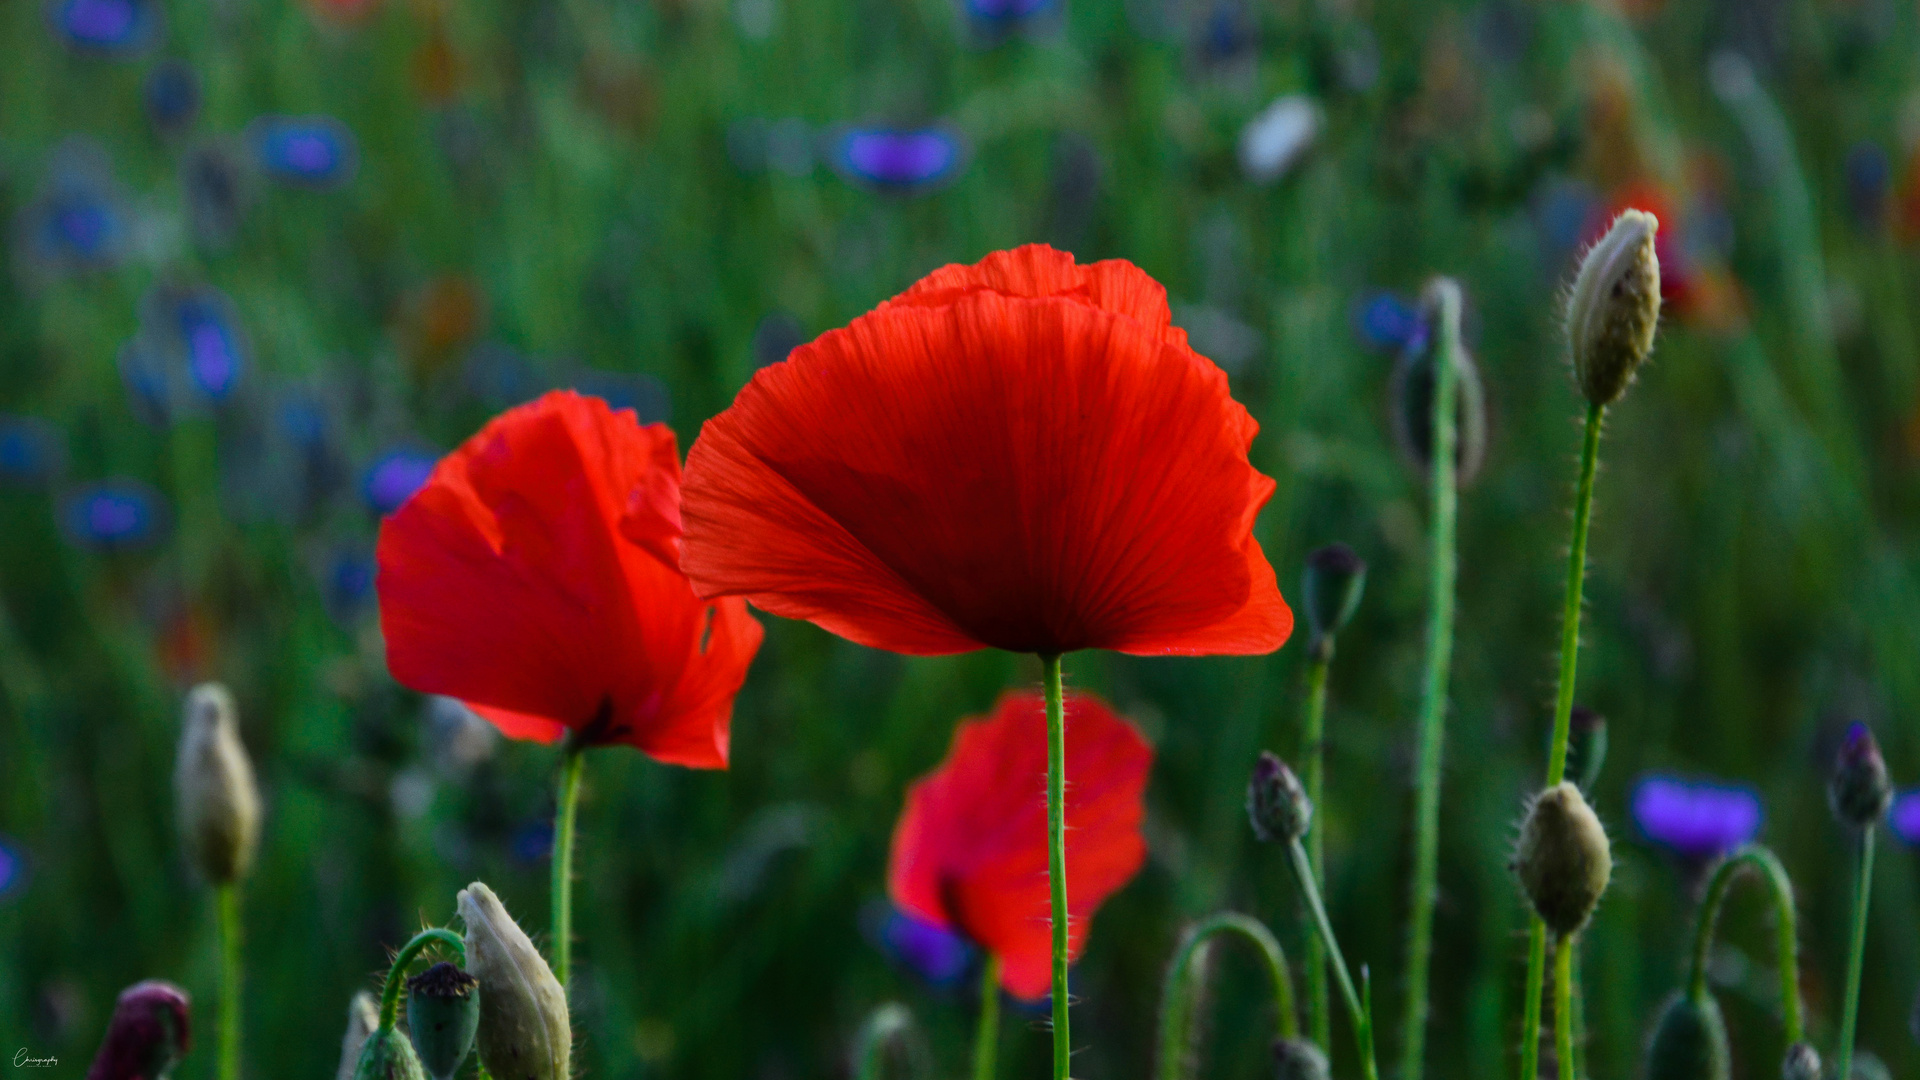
307, 151
1869, 175
899, 160
105, 27
394, 476
200, 329
80, 221
1387, 323
13, 867
114, 515
172, 95
346, 583
936, 954
1695, 820
1904, 818
31, 451
778, 334
532, 842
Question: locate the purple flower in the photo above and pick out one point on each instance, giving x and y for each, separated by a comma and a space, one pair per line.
1905, 816
308, 151
393, 478
148, 1035
31, 452
13, 868
104, 27
899, 160
1695, 820
346, 584
114, 515
79, 222
1387, 323
214, 351
935, 953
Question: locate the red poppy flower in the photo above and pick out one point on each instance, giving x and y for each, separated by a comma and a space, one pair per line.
970, 851
533, 576
1023, 454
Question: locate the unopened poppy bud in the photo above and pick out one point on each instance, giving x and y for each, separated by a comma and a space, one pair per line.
1859, 790
363, 1015
1563, 859
1801, 1063
388, 1056
1614, 308
215, 800
443, 1012
1335, 578
524, 1031
1298, 1059
1586, 747
1277, 803
149, 1033
1411, 393
1689, 1041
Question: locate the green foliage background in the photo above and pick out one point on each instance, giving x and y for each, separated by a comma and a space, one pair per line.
1754, 577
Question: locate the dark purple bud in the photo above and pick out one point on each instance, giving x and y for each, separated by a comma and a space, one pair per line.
1335, 579
148, 1035
1277, 803
1696, 821
1859, 790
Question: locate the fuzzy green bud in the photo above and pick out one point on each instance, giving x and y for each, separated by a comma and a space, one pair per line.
1298, 1059
363, 1015
1330, 593
1859, 790
217, 805
1801, 1063
1586, 747
443, 1013
1563, 859
1689, 1041
1614, 308
388, 1056
524, 1030
1277, 802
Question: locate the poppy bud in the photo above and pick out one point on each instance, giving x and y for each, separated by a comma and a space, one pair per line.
443, 1012
1859, 790
1411, 393
216, 802
1868, 1066
1277, 803
1614, 308
148, 1035
524, 1032
1563, 859
363, 1015
1298, 1059
388, 1056
1586, 747
1801, 1063
1335, 578
1690, 1041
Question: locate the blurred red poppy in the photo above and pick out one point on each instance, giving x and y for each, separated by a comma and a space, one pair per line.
533, 576
1023, 454
970, 850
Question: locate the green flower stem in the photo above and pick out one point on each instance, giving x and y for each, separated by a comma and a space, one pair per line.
228, 898
563, 829
397, 974
1786, 949
986, 1039
1179, 993
1360, 1014
1562, 718
1441, 571
1856, 955
1313, 735
1057, 857
1563, 1005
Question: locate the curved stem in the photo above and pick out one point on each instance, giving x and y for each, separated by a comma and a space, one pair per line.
1360, 1014
569, 802
1313, 735
1563, 1006
228, 898
1057, 858
1787, 949
1177, 994
986, 1038
1856, 955
397, 974
1433, 698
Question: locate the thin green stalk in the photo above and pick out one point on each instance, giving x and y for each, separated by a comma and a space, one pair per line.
1433, 699
1563, 1005
1057, 858
1786, 948
1562, 718
228, 898
1360, 1014
986, 1038
1313, 734
397, 973
1856, 955
1180, 990
563, 829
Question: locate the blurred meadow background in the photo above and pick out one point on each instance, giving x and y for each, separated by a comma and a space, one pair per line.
267, 258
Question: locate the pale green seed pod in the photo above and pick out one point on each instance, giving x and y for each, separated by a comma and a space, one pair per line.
1298, 1059
1564, 860
1801, 1063
217, 804
363, 1015
1689, 1041
524, 1030
443, 1014
389, 1056
1614, 308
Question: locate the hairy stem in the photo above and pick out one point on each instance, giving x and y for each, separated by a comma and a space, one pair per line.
1360, 1014
1856, 955
1313, 736
228, 898
1786, 949
563, 828
1563, 1005
1179, 992
1057, 858
397, 973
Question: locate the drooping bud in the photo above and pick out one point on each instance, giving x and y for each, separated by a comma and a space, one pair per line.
1277, 802
1689, 1041
1801, 1063
215, 800
1614, 308
1335, 578
1411, 393
363, 1015
149, 1033
1563, 859
1298, 1059
1868, 1066
1586, 747
388, 1056
524, 1031
1859, 789
443, 1012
